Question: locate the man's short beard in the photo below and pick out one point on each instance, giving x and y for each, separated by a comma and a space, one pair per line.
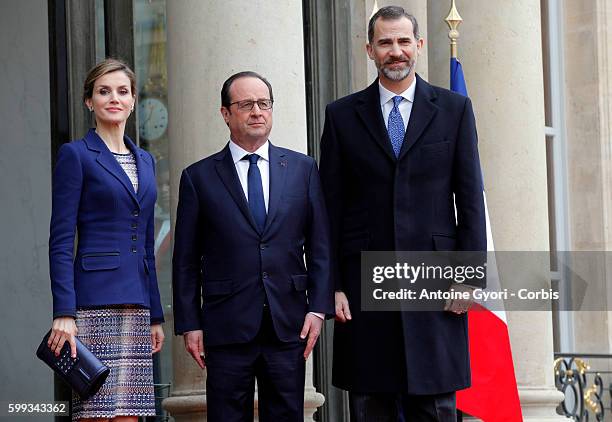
397, 75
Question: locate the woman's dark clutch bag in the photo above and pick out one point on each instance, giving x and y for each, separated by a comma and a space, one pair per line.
85, 373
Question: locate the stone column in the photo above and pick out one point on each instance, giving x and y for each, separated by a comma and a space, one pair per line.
587, 121
500, 49
207, 42
587, 125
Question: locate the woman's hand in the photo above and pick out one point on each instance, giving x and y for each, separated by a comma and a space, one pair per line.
157, 337
64, 329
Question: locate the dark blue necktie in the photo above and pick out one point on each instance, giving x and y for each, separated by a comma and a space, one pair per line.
395, 126
255, 192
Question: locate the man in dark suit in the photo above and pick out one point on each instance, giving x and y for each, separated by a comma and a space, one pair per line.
246, 301
393, 157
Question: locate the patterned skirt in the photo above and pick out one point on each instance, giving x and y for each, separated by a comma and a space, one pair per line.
121, 339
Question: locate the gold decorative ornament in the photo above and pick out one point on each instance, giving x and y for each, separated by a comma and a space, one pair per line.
582, 366
588, 398
556, 365
453, 20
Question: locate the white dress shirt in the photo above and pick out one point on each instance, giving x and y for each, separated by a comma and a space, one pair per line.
405, 107
242, 168
263, 163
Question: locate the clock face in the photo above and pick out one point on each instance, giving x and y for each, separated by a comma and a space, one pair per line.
153, 118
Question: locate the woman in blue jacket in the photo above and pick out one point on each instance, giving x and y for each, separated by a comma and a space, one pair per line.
103, 194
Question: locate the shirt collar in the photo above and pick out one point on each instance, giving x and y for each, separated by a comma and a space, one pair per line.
238, 152
386, 95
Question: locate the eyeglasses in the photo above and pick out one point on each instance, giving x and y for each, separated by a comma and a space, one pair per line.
247, 105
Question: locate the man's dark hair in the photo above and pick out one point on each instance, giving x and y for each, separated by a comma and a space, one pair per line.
392, 13
225, 97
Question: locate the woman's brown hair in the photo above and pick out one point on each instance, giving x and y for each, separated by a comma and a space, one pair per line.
101, 69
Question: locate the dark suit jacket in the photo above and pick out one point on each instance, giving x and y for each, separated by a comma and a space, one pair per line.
380, 203
223, 268
94, 198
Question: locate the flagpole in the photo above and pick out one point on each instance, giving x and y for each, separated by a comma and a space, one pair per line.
453, 20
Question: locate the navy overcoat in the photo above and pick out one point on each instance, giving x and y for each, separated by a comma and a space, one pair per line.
377, 202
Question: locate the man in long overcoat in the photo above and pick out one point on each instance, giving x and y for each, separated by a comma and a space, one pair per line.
395, 160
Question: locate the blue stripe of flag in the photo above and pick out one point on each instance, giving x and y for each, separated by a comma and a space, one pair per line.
457, 81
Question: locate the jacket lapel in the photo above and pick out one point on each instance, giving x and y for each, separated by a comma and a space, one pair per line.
278, 172
423, 111
227, 172
368, 109
106, 159
145, 168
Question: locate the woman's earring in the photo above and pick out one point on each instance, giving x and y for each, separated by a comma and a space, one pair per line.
90, 108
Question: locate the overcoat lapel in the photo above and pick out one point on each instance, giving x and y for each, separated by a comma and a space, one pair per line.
423, 111
278, 173
227, 172
368, 109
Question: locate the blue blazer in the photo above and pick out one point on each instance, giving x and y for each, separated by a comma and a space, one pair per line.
94, 199
224, 268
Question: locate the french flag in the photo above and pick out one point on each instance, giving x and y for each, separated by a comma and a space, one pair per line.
493, 396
